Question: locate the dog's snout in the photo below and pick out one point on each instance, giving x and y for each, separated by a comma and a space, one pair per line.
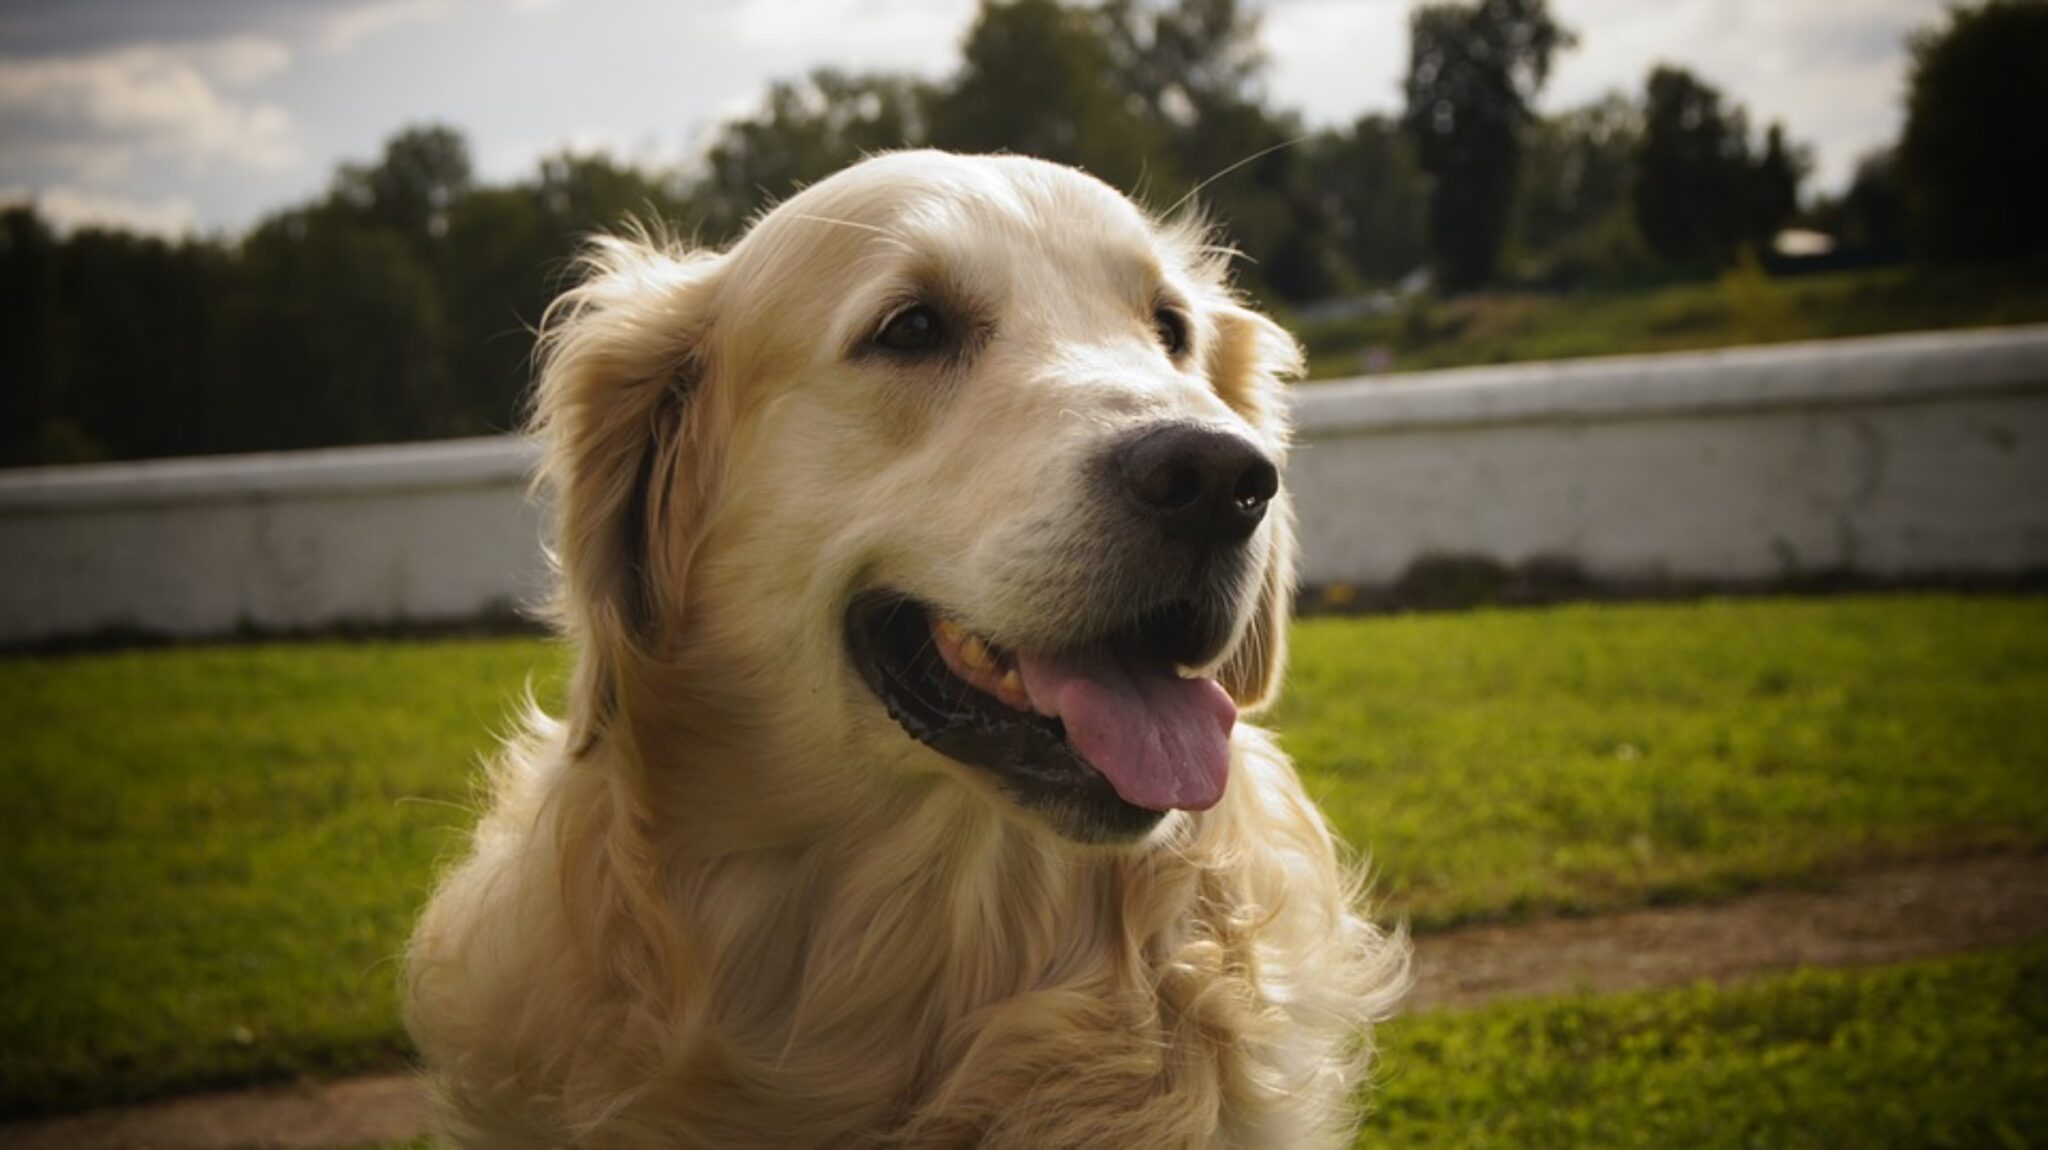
1200, 485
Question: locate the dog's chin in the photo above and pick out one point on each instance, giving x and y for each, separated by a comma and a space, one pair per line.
967, 698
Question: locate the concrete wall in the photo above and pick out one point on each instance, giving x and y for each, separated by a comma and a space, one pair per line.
418, 533
1889, 457
1899, 456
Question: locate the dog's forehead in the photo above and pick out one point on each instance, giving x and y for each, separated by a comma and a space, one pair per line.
938, 207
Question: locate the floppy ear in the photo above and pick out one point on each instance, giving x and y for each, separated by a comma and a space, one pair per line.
1250, 360
628, 452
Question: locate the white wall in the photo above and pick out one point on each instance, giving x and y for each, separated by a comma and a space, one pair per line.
417, 533
1897, 456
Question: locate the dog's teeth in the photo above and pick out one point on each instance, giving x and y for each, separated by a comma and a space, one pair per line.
1010, 689
950, 633
975, 654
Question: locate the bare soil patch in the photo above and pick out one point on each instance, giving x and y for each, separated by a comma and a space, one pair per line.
1891, 914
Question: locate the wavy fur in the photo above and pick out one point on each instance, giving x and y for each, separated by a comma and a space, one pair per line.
725, 902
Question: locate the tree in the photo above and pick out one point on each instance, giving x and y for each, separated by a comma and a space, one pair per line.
141, 317
805, 131
1373, 194
34, 426
1186, 57
337, 334
1037, 78
1192, 69
1572, 212
1774, 184
1973, 160
411, 189
1871, 215
1700, 192
1473, 74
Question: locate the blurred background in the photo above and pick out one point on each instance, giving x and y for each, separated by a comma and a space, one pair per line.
248, 226
1671, 478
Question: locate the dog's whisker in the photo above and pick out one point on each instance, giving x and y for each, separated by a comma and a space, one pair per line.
1255, 157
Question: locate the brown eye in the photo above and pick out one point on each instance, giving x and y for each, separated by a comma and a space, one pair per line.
912, 330
1172, 327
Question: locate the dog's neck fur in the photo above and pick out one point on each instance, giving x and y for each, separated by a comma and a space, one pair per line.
918, 969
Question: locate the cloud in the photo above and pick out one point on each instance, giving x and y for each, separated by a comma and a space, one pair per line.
1835, 74
1336, 59
344, 28
912, 35
69, 209
98, 113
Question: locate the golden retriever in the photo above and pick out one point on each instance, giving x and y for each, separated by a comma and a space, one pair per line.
919, 554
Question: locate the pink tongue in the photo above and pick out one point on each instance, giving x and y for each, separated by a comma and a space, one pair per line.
1162, 741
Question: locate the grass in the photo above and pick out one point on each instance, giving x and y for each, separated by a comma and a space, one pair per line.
1743, 307
212, 855
1501, 762
1951, 1053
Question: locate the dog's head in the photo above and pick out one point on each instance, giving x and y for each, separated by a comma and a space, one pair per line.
952, 463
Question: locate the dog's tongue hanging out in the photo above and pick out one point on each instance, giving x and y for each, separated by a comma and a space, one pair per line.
1162, 741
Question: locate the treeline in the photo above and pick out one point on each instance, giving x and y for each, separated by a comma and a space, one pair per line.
398, 305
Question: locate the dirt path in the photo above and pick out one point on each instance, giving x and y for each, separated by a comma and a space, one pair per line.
1886, 915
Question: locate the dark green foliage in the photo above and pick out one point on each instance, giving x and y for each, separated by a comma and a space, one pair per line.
1871, 214
411, 190
1702, 190
1950, 1053
805, 131
397, 307
1473, 73
1374, 196
1572, 222
1076, 112
1974, 157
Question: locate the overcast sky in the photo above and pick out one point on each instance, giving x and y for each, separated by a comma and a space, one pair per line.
204, 114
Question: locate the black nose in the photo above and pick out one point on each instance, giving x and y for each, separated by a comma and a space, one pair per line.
1200, 485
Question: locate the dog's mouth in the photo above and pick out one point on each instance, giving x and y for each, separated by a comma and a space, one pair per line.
1112, 727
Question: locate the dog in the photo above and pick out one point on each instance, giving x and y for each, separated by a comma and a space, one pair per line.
920, 554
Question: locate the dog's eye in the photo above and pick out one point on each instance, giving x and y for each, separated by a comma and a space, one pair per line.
913, 329
1172, 327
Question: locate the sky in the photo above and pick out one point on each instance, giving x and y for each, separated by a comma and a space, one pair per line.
179, 116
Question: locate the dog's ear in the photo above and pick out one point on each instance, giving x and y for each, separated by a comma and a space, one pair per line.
1250, 360
629, 453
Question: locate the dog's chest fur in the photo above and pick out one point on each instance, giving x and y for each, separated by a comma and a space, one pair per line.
930, 989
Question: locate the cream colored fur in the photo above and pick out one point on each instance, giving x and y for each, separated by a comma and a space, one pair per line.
727, 901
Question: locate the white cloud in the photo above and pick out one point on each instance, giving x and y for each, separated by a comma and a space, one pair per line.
1334, 60
100, 112
68, 209
1833, 73
911, 35
344, 28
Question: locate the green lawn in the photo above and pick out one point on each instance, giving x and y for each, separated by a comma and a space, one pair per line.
1741, 308
212, 855
1504, 761
1935, 1054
